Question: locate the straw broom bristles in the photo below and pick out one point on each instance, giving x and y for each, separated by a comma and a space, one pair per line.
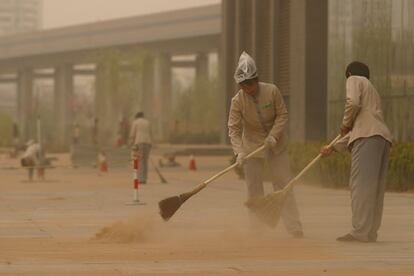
268, 208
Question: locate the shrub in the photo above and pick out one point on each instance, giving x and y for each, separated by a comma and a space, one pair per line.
334, 171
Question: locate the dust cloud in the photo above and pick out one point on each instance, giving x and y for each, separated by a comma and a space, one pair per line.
129, 231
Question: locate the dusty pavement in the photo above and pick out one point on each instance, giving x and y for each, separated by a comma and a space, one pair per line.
79, 223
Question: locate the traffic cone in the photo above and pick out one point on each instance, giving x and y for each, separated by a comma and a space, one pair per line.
103, 163
192, 166
41, 173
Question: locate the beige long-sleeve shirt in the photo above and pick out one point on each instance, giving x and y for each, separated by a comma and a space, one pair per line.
32, 152
140, 132
246, 131
363, 112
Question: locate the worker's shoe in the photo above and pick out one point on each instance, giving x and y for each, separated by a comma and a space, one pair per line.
347, 238
297, 234
372, 238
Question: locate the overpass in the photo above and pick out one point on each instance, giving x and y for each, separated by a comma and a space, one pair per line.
287, 38
189, 31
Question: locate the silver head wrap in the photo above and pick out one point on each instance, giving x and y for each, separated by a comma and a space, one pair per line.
246, 68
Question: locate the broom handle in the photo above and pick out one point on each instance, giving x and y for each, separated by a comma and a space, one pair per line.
309, 165
233, 166
205, 183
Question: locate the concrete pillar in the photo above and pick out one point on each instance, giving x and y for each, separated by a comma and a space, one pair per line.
296, 68
228, 60
264, 39
103, 104
316, 70
147, 101
162, 94
245, 27
202, 67
63, 105
25, 109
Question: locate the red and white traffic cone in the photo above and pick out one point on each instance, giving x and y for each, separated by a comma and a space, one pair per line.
41, 173
103, 163
192, 165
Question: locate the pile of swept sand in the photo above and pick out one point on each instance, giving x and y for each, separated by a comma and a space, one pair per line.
131, 231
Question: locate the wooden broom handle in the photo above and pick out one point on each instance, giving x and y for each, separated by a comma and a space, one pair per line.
309, 165
205, 183
234, 165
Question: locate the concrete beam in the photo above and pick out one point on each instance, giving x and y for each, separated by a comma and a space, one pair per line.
182, 46
43, 75
138, 30
8, 79
84, 72
183, 64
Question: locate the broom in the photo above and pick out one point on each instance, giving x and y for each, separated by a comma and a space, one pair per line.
269, 208
170, 205
162, 178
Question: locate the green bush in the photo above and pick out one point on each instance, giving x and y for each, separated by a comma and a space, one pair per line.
400, 175
334, 170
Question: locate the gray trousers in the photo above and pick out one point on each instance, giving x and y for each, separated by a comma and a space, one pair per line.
367, 183
144, 152
280, 173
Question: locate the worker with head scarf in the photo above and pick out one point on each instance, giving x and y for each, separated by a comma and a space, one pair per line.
258, 116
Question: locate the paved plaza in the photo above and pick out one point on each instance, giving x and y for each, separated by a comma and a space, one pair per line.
57, 227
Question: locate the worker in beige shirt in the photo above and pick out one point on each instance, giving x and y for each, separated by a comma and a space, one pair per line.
258, 116
366, 135
141, 140
31, 158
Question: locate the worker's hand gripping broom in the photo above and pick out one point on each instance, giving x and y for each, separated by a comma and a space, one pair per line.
170, 205
269, 208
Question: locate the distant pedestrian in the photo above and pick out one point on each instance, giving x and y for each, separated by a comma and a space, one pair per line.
140, 137
123, 132
366, 135
31, 158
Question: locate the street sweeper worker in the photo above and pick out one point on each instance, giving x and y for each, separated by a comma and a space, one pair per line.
258, 116
141, 138
366, 135
31, 157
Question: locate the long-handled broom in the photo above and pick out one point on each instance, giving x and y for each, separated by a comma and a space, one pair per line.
162, 178
170, 205
269, 208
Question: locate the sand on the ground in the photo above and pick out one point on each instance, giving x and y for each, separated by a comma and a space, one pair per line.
78, 222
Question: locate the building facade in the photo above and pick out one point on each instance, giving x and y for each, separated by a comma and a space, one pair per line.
288, 40
17, 16
381, 34
304, 46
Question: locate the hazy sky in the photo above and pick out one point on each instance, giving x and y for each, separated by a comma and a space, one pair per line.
59, 13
